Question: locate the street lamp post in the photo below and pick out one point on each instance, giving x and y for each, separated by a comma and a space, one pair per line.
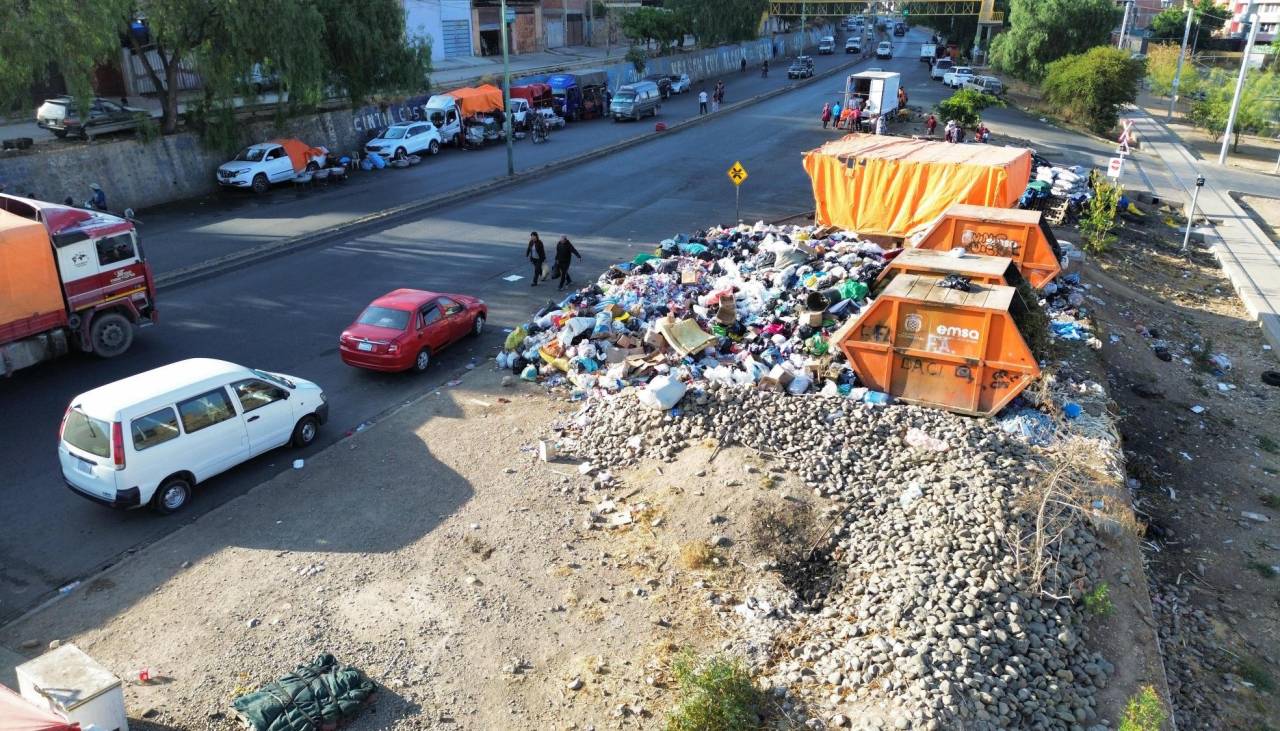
1177, 74
1195, 198
1235, 100
508, 123
1124, 23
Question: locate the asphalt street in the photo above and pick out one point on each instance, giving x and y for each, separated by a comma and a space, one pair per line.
285, 314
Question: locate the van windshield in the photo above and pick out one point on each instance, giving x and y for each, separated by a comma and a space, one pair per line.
88, 434
275, 378
624, 96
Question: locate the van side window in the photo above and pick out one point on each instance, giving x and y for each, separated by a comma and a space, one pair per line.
205, 410
155, 428
112, 249
255, 394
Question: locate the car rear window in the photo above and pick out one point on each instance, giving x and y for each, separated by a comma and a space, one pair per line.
88, 434
384, 317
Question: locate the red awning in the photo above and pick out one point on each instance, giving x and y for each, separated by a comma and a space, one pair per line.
18, 714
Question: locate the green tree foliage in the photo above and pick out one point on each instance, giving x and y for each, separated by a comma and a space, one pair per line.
1162, 65
965, 107
1169, 24
313, 46
1090, 87
1259, 104
653, 24
1099, 217
713, 22
1043, 31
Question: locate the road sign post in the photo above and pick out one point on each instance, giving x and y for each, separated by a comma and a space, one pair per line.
1113, 167
738, 175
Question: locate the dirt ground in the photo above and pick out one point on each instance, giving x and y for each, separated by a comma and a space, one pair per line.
1203, 451
461, 573
1258, 154
1264, 210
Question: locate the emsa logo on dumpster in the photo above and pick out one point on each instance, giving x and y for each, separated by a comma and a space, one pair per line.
939, 341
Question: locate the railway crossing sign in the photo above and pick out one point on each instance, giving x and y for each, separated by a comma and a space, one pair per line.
737, 173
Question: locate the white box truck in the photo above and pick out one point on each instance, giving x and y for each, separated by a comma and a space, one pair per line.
927, 52
878, 91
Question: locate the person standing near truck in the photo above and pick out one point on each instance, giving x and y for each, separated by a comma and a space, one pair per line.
536, 253
702, 101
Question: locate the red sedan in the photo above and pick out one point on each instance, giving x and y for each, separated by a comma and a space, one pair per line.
404, 329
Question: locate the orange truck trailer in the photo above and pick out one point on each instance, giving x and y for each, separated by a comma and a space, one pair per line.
70, 279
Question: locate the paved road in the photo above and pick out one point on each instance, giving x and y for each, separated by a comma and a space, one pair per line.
284, 314
193, 231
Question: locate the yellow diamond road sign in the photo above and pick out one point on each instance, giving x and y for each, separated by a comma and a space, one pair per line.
737, 173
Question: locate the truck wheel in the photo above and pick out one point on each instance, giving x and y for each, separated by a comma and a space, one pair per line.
434, 148
110, 334
171, 496
305, 432
312, 166
260, 184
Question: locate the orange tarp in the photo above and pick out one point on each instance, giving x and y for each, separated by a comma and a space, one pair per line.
483, 98
891, 186
300, 153
29, 284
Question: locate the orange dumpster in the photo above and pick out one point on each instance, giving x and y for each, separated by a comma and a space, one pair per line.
934, 346
978, 269
1020, 235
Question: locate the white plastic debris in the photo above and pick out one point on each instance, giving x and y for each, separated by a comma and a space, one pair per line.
661, 393
920, 439
910, 496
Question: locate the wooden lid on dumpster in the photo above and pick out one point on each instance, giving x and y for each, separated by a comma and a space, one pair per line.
985, 268
996, 297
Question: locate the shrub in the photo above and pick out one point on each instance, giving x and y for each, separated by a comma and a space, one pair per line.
1144, 712
1098, 601
1100, 217
716, 694
638, 58
1090, 87
965, 106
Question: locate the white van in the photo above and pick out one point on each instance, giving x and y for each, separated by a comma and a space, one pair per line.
185, 422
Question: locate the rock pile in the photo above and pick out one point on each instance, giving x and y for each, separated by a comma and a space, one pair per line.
926, 617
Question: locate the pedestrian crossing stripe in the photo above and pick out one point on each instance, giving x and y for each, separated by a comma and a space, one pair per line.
737, 173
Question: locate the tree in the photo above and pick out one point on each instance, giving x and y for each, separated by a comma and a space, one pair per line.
360, 48
713, 22
1043, 31
1162, 66
1090, 87
653, 24
1169, 24
1258, 111
965, 106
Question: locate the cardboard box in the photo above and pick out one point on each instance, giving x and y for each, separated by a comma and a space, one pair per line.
614, 354
626, 341
655, 339
689, 276
728, 312
615, 310
812, 318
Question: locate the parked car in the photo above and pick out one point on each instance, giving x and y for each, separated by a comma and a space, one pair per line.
807, 61
404, 329
407, 138
956, 77
852, 45
985, 84
61, 116
663, 82
884, 50
900, 29
826, 45
258, 166
799, 70
680, 83
940, 68
634, 101
151, 438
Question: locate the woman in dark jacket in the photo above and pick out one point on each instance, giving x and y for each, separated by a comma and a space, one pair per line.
564, 250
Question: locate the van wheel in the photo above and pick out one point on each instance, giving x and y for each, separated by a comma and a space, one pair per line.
260, 184
172, 496
110, 335
306, 431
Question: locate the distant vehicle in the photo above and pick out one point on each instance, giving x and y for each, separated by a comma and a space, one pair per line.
900, 29
405, 328
70, 280
928, 51
940, 68
853, 45
799, 70
877, 90
663, 81
259, 166
549, 116
827, 45
634, 101
680, 83
956, 77
806, 60
61, 116
151, 438
985, 84
884, 50
407, 138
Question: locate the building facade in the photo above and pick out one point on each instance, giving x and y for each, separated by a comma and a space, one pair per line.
472, 27
1268, 12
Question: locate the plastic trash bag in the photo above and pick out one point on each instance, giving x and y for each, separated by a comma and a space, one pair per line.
661, 393
852, 289
920, 439
514, 338
530, 373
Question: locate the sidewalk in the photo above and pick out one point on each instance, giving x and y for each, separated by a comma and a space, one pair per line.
1249, 259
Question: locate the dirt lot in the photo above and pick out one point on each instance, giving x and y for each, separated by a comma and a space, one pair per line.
1264, 210
1203, 452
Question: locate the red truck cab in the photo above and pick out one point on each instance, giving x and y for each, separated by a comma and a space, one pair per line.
74, 279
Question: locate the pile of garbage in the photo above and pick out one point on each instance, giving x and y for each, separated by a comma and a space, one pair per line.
1056, 181
738, 306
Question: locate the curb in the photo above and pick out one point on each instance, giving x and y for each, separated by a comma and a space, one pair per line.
389, 216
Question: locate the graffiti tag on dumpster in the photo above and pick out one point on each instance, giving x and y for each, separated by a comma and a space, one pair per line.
912, 364
876, 334
989, 244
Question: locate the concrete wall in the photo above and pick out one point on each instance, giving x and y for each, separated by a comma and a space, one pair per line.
137, 175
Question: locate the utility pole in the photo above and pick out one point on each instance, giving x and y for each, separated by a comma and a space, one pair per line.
1235, 100
1177, 74
1124, 24
803, 8
506, 92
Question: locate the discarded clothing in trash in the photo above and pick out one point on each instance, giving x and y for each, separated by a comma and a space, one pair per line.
314, 696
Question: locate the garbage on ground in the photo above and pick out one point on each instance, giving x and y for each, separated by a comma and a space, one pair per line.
314, 696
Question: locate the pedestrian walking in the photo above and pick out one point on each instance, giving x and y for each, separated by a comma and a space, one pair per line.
720, 89
846, 118
99, 199
702, 101
836, 111
949, 131
536, 253
902, 98
930, 125
744, 64
564, 250
826, 114
959, 133
764, 69
855, 120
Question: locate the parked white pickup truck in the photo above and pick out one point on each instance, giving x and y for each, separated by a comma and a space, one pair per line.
258, 166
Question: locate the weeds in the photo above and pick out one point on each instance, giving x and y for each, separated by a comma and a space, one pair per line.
478, 547
1099, 217
1267, 444
1261, 569
714, 694
1270, 500
1098, 602
696, 555
1144, 712
1253, 671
